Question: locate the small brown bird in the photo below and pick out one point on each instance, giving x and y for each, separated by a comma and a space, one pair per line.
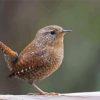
40, 58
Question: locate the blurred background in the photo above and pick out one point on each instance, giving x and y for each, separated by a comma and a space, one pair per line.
80, 71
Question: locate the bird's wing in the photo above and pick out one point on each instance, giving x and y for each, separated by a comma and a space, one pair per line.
28, 61
31, 56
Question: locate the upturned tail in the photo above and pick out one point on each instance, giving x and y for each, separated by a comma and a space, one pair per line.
10, 56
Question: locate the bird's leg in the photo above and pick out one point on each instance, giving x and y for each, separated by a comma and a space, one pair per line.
41, 92
38, 89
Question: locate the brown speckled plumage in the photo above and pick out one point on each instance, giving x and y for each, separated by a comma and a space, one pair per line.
41, 57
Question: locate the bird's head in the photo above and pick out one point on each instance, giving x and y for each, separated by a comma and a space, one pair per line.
51, 35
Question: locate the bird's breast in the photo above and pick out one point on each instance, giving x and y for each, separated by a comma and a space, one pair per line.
51, 63
42, 67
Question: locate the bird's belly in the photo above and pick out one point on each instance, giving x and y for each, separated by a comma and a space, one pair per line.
49, 66
44, 68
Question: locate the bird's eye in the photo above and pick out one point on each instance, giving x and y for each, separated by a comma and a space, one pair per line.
52, 32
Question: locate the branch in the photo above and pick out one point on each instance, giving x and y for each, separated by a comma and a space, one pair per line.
69, 96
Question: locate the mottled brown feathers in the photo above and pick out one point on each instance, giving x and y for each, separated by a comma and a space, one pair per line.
41, 57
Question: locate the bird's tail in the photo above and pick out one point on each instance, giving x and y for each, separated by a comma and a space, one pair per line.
10, 56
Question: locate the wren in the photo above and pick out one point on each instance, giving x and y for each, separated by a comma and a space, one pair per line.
40, 58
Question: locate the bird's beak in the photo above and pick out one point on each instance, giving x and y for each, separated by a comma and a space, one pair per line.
67, 31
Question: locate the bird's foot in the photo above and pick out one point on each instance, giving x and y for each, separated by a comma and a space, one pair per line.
44, 93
